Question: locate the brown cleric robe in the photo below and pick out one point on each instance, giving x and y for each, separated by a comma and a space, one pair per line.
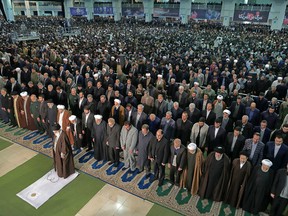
237, 182
66, 125
29, 120
215, 178
63, 166
18, 107
194, 170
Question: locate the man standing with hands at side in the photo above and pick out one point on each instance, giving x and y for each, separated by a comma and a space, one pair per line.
128, 141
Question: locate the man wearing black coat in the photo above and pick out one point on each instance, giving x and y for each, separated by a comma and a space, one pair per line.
226, 122
87, 125
234, 143
5, 105
62, 97
177, 161
279, 192
263, 131
112, 140
103, 108
261, 102
215, 136
246, 127
237, 109
183, 129
209, 115
194, 114
159, 155
138, 118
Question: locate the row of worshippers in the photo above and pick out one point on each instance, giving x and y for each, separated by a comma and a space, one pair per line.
32, 113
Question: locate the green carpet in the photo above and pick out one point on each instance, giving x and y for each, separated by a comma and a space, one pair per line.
66, 202
4, 144
157, 210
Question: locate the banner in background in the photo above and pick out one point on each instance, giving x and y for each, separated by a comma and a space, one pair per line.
103, 10
251, 16
78, 11
209, 14
166, 12
132, 11
285, 21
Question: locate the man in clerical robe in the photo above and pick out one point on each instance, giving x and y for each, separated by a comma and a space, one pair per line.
215, 175
98, 135
193, 172
241, 169
18, 105
62, 153
257, 192
27, 113
63, 120
118, 112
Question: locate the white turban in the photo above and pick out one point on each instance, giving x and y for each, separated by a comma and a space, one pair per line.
117, 101
192, 146
220, 97
60, 107
24, 94
227, 111
196, 83
72, 118
189, 65
159, 76
65, 59
267, 162
147, 74
18, 69
98, 117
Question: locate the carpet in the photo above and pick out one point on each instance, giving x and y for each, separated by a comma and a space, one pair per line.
44, 188
169, 196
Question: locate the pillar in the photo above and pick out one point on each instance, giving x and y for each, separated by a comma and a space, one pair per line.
117, 9
277, 14
67, 5
7, 6
227, 11
148, 10
89, 4
185, 11
27, 7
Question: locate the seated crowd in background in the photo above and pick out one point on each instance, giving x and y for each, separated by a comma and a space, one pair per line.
162, 100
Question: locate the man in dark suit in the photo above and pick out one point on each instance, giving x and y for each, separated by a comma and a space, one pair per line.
261, 102
79, 79
279, 192
183, 129
13, 86
43, 113
82, 102
159, 155
176, 111
181, 96
139, 118
246, 127
161, 106
194, 114
87, 125
234, 143
209, 115
202, 103
237, 109
113, 141
276, 152
5, 97
215, 136
271, 117
264, 131
168, 126
253, 113
61, 97
177, 161
255, 149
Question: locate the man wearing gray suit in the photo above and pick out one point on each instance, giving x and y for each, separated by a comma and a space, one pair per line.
128, 141
113, 141
255, 149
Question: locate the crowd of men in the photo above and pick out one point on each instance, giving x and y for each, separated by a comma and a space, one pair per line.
163, 96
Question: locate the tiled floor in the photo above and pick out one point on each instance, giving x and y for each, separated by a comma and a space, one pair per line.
13, 156
113, 201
